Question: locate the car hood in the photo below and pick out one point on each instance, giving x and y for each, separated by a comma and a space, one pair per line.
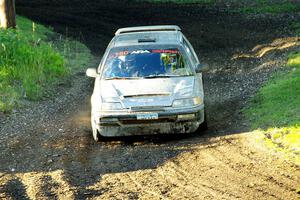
147, 92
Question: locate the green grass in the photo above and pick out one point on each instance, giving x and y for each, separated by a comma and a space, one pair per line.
276, 109
267, 6
31, 29
296, 28
31, 64
247, 6
182, 1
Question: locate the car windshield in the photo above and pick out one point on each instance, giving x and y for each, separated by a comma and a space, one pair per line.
126, 63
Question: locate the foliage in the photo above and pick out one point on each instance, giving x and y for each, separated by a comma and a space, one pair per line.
29, 64
26, 66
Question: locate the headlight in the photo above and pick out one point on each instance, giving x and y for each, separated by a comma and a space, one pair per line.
187, 102
197, 100
111, 106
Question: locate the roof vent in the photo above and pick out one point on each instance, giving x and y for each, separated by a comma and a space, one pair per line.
147, 28
142, 40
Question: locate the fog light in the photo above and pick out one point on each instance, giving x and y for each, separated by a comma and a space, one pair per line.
109, 122
185, 117
197, 101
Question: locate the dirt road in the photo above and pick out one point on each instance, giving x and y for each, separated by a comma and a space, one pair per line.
47, 150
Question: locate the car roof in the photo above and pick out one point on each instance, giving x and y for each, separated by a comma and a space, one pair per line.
147, 28
147, 35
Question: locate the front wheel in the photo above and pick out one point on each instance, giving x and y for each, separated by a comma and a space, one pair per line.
203, 127
96, 134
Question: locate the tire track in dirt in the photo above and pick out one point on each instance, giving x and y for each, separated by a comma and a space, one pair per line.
254, 164
202, 189
183, 177
140, 187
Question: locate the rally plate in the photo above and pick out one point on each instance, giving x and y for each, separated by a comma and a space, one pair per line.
147, 116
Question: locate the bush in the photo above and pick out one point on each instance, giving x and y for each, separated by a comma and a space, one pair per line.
28, 65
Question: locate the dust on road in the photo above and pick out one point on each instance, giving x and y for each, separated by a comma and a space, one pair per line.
47, 150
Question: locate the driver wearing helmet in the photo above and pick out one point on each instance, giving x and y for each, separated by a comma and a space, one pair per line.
117, 69
130, 68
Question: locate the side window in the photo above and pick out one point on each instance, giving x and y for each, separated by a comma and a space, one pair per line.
190, 51
191, 48
104, 57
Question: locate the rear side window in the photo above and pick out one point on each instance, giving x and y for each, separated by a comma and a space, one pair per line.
146, 62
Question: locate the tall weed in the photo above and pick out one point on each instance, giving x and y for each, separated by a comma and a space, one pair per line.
27, 66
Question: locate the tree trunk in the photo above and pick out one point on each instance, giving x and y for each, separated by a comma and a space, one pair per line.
7, 14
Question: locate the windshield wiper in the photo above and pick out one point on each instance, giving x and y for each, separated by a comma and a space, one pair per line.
121, 78
161, 76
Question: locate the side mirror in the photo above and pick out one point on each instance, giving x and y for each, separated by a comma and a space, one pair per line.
201, 68
91, 72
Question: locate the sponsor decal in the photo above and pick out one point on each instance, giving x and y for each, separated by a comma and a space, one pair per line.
122, 53
125, 53
140, 52
165, 51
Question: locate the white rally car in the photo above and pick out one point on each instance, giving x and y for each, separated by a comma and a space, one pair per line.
148, 82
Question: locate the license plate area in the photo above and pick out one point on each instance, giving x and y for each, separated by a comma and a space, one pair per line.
147, 116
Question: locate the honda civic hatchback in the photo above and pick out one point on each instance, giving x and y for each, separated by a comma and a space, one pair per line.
149, 81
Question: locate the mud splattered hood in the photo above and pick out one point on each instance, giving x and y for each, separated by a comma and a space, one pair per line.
146, 92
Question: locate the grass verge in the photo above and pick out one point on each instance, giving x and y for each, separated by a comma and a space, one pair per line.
181, 1
296, 28
275, 111
31, 63
246, 7
271, 6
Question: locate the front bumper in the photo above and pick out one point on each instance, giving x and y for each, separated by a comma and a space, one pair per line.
168, 122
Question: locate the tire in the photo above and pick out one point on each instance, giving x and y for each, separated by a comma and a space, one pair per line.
95, 132
203, 127
96, 135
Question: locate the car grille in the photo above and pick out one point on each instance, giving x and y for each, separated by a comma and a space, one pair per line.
148, 108
153, 121
147, 95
